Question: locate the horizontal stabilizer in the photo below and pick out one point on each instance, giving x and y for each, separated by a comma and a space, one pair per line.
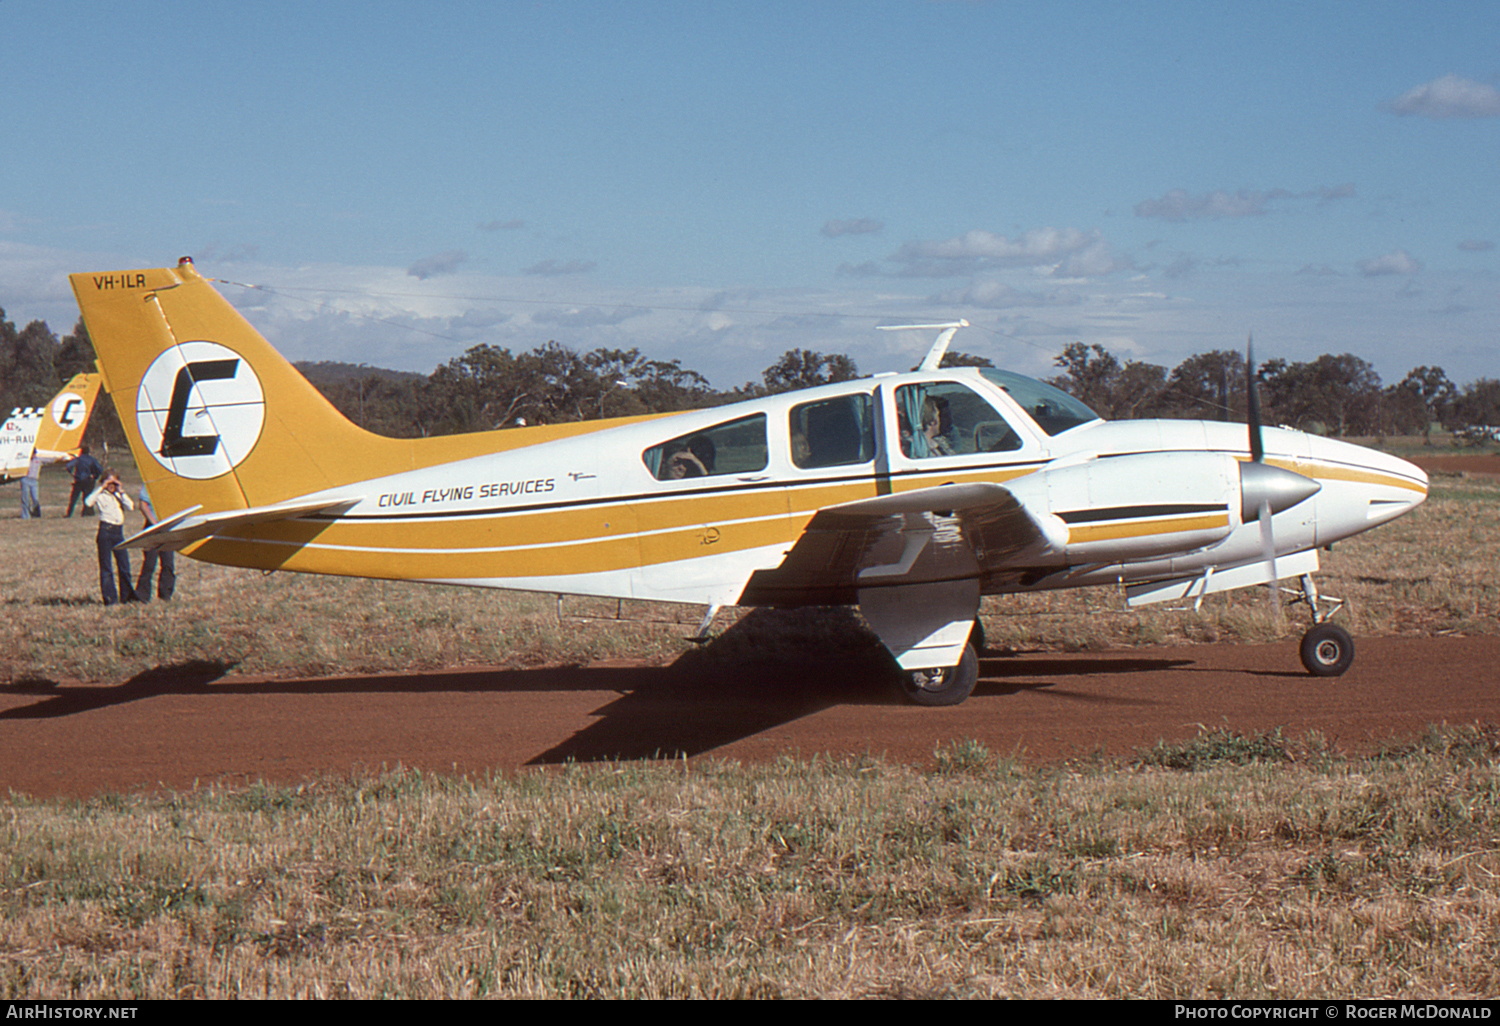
182, 529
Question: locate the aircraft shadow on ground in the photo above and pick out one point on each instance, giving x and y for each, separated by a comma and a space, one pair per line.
770, 668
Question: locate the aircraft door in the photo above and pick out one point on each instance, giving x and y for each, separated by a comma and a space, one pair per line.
713, 509
948, 427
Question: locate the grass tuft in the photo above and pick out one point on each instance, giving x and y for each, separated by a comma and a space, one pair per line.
1217, 747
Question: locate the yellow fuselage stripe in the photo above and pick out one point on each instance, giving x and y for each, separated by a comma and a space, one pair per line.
596, 537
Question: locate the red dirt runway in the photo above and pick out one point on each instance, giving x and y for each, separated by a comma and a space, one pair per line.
174, 727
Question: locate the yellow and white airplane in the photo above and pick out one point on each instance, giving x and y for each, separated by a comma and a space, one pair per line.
55, 431
909, 495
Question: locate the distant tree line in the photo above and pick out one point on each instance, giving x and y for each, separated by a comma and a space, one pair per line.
488, 387
1334, 395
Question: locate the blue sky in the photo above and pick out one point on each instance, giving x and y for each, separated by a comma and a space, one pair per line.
719, 182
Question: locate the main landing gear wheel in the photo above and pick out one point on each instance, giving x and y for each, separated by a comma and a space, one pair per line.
1327, 650
947, 685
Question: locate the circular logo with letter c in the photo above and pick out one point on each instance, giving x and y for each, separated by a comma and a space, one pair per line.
200, 410
68, 410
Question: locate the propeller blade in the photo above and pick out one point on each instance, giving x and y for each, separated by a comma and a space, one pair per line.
1252, 403
1268, 550
1275, 491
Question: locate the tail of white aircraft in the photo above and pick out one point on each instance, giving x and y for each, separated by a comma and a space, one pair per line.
217, 418
55, 430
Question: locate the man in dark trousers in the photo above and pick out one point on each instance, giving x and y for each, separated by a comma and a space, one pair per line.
167, 583
86, 472
112, 501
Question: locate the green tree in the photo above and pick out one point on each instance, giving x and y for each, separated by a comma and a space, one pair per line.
1338, 395
28, 364
803, 368
1433, 392
1208, 386
953, 359
1479, 405
1090, 374
1095, 376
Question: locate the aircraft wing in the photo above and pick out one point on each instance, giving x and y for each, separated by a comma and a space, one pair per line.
946, 533
182, 529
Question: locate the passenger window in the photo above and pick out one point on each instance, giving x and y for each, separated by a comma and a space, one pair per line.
833, 432
951, 420
736, 447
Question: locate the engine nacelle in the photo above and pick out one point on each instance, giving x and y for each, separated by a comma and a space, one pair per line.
1153, 504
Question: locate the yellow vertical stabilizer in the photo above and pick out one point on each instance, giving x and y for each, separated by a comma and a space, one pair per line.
217, 417
67, 416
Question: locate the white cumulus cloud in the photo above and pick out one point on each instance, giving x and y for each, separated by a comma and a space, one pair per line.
1450, 97
1396, 262
1068, 252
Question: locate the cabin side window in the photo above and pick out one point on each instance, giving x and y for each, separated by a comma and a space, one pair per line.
734, 447
833, 432
950, 420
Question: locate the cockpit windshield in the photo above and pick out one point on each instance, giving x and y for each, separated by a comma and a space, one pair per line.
1054, 410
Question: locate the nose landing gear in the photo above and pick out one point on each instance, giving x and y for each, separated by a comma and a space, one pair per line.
1327, 649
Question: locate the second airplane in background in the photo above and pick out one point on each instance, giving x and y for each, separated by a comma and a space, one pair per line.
55, 431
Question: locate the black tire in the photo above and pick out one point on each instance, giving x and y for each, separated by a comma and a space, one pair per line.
1327, 650
948, 685
976, 636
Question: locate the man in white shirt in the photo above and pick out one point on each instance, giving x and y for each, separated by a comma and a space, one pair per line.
31, 502
112, 501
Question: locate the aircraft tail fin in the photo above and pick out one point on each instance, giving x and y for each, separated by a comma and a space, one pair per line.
218, 419
60, 434
215, 416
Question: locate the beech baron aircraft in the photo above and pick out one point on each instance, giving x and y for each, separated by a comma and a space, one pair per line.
909, 495
55, 431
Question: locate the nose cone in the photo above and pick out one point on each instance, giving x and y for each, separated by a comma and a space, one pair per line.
1362, 488
1262, 485
1401, 486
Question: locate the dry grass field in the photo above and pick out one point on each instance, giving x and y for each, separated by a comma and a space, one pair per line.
1237, 867
1231, 866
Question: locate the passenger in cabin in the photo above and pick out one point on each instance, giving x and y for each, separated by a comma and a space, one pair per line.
936, 424
694, 459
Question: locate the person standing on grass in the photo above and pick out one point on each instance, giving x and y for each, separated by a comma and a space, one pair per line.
31, 500
85, 470
111, 501
167, 583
